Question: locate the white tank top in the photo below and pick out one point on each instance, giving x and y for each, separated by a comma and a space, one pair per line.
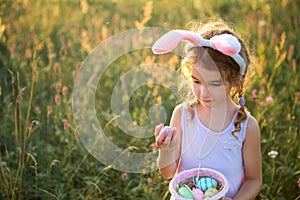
216, 150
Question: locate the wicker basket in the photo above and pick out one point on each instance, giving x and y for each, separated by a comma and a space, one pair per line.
188, 175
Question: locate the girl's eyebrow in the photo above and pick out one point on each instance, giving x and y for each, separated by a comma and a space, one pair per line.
193, 77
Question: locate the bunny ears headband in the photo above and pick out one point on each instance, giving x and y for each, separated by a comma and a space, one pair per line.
225, 43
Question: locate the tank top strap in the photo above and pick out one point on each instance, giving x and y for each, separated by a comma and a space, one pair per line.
186, 119
185, 112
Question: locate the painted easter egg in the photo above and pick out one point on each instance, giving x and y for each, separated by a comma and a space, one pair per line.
167, 129
186, 192
210, 192
206, 182
198, 194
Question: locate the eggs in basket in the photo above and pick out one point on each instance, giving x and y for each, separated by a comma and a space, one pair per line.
199, 184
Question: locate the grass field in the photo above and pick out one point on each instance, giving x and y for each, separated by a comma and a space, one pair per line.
42, 46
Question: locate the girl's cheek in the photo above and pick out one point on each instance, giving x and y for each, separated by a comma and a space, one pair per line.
196, 91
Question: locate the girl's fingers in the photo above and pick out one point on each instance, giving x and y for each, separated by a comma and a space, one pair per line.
158, 129
164, 132
165, 138
161, 135
170, 136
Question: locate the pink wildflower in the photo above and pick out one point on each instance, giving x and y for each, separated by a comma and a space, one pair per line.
37, 110
58, 86
291, 51
298, 182
254, 97
66, 124
124, 176
76, 71
28, 53
262, 104
64, 90
149, 181
269, 99
32, 37
57, 99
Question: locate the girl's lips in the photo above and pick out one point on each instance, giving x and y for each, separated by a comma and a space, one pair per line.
206, 100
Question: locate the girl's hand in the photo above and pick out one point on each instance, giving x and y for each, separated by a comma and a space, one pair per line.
165, 137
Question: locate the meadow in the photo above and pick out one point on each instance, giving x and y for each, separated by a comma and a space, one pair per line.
43, 45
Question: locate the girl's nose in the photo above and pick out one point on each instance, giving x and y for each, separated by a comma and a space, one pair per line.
204, 92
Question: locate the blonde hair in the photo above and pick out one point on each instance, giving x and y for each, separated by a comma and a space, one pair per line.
228, 68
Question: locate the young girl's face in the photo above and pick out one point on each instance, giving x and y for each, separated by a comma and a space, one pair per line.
209, 87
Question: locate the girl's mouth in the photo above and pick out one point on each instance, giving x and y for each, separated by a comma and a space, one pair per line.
206, 100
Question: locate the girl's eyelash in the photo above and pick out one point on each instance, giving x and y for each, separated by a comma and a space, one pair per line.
213, 84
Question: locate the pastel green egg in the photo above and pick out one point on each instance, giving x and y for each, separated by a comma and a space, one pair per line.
186, 192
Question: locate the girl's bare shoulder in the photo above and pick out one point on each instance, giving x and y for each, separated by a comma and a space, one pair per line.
177, 112
253, 129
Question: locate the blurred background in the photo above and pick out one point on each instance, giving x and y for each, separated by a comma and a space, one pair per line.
42, 45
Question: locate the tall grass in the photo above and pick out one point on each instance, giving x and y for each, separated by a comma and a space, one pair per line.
42, 44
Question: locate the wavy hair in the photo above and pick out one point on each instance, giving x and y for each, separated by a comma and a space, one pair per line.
229, 69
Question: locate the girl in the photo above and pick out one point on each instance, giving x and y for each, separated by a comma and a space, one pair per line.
212, 130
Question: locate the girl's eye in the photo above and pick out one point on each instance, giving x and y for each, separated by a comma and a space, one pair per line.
197, 82
216, 84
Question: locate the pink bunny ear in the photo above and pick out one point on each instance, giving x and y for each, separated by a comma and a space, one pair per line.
226, 43
170, 40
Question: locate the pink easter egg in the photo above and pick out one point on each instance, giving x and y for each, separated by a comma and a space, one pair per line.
198, 194
166, 129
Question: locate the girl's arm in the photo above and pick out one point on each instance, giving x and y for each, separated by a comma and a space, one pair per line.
168, 158
252, 163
